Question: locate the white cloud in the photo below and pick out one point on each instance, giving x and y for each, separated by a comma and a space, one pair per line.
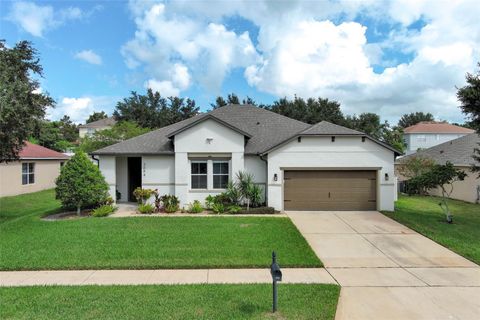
89, 56
299, 50
37, 19
78, 109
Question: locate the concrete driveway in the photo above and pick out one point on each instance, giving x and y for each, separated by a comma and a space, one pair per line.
388, 271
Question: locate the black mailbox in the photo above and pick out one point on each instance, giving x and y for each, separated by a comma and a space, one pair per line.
275, 269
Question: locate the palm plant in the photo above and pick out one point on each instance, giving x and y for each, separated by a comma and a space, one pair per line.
245, 186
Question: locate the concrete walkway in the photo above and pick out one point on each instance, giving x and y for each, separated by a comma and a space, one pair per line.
174, 276
388, 271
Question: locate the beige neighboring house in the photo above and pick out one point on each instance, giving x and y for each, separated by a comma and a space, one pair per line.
36, 170
90, 128
427, 134
458, 152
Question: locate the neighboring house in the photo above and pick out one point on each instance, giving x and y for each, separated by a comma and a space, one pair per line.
427, 134
298, 165
36, 170
90, 128
459, 152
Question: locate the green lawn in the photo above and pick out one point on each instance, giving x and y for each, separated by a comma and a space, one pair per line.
29, 243
169, 302
423, 215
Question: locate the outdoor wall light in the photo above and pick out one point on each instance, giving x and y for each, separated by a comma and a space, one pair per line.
299, 139
363, 139
333, 139
275, 177
386, 177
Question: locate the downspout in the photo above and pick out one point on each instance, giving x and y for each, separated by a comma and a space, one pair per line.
266, 180
95, 159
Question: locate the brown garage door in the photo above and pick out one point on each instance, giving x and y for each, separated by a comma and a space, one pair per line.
330, 190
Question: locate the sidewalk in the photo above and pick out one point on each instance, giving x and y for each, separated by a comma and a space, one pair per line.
171, 276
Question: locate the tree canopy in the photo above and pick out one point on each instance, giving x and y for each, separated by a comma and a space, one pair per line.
95, 116
153, 111
121, 131
21, 103
413, 118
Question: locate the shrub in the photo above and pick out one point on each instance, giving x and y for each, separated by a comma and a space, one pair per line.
158, 201
218, 208
195, 207
103, 210
142, 195
258, 210
145, 208
233, 193
233, 209
170, 203
80, 183
209, 201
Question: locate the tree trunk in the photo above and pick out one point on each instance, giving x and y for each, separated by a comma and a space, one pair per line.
78, 211
446, 209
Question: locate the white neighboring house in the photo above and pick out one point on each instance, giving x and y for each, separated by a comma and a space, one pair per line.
300, 166
90, 128
427, 134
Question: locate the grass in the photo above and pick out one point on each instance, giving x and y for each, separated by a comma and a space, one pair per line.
169, 302
29, 243
423, 215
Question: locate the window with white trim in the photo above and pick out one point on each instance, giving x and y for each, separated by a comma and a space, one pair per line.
199, 174
28, 173
220, 174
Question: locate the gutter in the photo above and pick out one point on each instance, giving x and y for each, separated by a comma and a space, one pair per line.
266, 181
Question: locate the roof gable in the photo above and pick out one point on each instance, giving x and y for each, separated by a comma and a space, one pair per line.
99, 123
328, 128
34, 151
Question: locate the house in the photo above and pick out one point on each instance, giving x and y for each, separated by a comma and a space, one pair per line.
298, 165
90, 128
36, 170
459, 152
427, 134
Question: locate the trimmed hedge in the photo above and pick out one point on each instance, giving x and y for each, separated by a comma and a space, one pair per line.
257, 210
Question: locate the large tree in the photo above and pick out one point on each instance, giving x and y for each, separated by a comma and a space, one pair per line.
95, 116
469, 97
413, 118
232, 98
154, 111
367, 122
21, 103
121, 131
309, 111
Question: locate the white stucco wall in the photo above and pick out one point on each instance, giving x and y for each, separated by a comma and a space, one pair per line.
321, 153
158, 172
108, 168
415, 141
122, 177
208, 140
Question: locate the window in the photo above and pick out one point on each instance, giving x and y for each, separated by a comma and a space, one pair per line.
421, 138
220, 174
199, 174
28, 173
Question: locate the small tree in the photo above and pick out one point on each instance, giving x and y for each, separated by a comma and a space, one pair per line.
80, 183
443, 177
249, 192
414, 166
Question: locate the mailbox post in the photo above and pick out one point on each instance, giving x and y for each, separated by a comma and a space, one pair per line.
276, 276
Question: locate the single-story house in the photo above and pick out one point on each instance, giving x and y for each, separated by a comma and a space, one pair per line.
299, 166
459, 152
90, 128
36, 169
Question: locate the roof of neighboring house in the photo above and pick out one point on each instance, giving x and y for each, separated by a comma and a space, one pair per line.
107, 122
458, 151
34, 151
436, 127
264, 130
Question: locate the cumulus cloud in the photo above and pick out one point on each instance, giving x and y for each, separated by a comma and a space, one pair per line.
89, 56
315, 49
37, 19
78, 109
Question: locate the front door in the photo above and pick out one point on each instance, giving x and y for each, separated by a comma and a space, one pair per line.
134, 176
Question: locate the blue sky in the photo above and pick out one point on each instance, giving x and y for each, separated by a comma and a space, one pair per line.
371, 56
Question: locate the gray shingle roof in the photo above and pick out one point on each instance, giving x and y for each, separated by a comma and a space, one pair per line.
99, 123
265, 130
459, 151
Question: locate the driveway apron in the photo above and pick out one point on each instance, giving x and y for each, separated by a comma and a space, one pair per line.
388, 271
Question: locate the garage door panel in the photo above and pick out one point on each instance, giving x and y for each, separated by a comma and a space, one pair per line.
330, 190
